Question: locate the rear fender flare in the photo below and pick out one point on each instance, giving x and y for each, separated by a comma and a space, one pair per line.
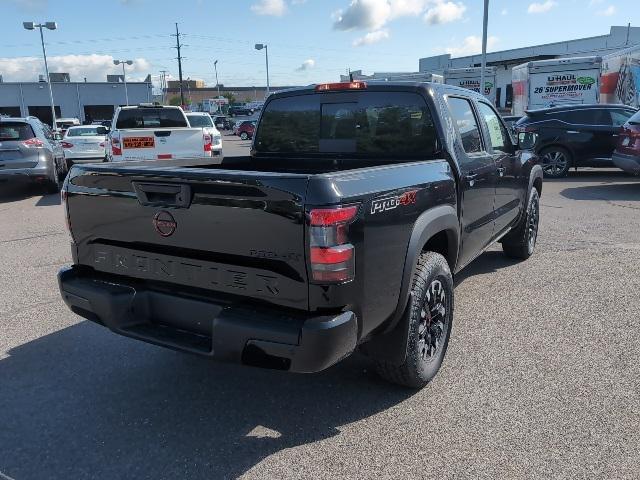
429, 223
390, 344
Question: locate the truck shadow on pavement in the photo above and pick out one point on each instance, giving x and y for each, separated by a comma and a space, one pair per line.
85, 403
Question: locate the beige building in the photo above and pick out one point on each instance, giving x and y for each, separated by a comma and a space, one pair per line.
198, 94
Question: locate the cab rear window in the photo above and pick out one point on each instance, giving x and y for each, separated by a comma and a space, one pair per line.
15, 131
385, 124
151, 118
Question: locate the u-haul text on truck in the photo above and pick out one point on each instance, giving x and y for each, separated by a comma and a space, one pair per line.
620, 81
470, 78
560, 81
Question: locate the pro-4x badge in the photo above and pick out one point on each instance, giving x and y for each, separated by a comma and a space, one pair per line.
390, 203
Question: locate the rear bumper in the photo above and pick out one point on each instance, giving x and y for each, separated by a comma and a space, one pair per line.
223, 330
628, 163
40, 171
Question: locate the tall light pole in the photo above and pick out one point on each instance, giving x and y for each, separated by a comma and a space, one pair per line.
483, 63
124, 76
48, 26
260, 46
215, 66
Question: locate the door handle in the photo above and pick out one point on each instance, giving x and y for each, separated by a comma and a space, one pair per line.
471, 178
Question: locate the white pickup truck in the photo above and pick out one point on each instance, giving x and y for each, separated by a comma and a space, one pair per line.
156, 132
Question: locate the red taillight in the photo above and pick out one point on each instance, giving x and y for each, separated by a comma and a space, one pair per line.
33, 143
330, 253
329, 87
325, 217
66, 145
207, 143
115, 146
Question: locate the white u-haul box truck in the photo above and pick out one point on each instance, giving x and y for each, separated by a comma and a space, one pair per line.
470, 78
560, 81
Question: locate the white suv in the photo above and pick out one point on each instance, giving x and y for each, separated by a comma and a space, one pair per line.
203, 120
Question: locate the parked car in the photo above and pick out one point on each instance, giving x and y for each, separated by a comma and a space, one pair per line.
575, 135
245, 129
627, 153
64, 123
85, 144
204, 121
220, 122
511, 120
236, 110
341, 231
29, 150
155, 132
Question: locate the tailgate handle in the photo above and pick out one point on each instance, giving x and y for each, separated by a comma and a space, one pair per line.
163, 194
162, 133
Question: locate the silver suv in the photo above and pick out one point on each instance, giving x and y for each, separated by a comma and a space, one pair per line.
29, 150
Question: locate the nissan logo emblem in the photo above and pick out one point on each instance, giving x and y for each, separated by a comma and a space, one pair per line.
164, 223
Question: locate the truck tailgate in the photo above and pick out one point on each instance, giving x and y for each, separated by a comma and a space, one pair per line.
162, 143
239, 233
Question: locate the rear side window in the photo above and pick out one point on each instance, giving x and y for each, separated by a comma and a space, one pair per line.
620, 116
85, 132
151, 118
467, 125
595, 116
374, 124
15, 131
201, 121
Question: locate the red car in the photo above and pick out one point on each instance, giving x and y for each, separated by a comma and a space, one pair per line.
246, 129
627, 153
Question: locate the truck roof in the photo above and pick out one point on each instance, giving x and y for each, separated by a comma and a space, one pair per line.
378, 86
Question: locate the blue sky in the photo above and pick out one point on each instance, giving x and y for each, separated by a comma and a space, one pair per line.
309, 40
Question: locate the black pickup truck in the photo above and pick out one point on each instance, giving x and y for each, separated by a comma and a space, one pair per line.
341, 231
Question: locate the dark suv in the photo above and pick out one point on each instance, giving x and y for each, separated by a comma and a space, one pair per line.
575, 135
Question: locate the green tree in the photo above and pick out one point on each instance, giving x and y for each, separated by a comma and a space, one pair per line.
229, 96
175, 101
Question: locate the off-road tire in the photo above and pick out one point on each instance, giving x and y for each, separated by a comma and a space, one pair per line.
417, 371
521, 242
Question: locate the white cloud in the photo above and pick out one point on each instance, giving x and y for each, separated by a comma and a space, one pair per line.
30, 5
372, 15
306, 65
541, 7
595, 2
471, 45
444, 12
275, 8
504, 12
363, 14
371, 37
93, 67
607, 12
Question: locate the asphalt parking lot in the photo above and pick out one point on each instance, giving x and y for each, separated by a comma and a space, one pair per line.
541, 378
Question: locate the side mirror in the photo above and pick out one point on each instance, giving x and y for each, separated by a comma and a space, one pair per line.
527, 140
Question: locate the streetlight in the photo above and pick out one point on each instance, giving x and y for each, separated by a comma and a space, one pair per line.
260, 46
483, 63
48, 26
215, 66
124, 76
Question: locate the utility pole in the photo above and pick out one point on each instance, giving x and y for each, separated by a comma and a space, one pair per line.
483, 65
178, 46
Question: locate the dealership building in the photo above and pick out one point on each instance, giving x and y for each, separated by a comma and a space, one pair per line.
86, 101
618, 38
